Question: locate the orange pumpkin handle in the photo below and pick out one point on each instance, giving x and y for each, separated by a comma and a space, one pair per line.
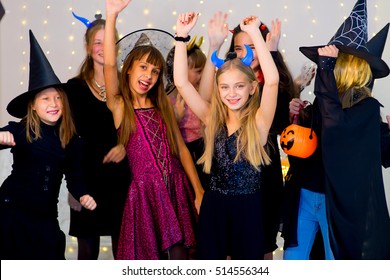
295, 119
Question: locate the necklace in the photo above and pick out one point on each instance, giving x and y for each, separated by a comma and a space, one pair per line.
101, 91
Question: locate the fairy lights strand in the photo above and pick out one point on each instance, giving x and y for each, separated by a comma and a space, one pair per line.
24, 58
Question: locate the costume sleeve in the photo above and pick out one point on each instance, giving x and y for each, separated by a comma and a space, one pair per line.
385, 144
16, 129
282, 113
333, 115
74, 172
326, 92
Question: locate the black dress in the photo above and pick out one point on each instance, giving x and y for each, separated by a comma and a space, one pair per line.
231, 214
29, 227
358, 217
108, 182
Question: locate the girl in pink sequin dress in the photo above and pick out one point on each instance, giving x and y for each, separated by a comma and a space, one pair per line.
160, 214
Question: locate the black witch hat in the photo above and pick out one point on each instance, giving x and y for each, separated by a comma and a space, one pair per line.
351, 38
42, 76
376, 45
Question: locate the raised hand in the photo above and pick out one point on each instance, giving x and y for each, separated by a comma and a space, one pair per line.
331, 51
185, 22
116, 6
250, 23
273, 37
217, 30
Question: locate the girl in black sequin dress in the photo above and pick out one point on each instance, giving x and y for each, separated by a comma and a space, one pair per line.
237, 127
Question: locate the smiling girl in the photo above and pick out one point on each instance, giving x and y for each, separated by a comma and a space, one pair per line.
44, 147
159, 216
237, 126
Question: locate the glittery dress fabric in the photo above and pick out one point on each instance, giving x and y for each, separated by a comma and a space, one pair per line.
231, 214
159, 210
227, 176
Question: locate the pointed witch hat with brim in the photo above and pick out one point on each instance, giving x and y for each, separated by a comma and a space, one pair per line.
41, 76
376, 45
351, 38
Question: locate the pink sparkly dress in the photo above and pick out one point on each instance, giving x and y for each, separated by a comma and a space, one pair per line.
159, 211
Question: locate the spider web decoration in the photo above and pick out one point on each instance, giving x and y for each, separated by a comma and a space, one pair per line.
353, 32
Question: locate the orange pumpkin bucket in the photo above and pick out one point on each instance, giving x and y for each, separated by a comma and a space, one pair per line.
298, 141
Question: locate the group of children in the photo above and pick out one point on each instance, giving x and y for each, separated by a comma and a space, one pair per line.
240, 103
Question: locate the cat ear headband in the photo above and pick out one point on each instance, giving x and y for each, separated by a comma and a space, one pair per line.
194, 44
247, 60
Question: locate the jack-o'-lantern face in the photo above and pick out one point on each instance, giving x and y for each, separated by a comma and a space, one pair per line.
298, 141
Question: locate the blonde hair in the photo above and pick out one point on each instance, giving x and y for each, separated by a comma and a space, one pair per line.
249, 145
156, 94
33, 122
352, 75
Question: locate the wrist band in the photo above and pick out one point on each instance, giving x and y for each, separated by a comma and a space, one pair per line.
182, 39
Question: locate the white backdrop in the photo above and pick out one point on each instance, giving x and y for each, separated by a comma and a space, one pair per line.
304, 23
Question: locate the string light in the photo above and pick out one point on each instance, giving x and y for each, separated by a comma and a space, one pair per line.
42, 13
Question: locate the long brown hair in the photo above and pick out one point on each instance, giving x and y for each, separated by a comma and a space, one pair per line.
249, 144
156, 94
32, 121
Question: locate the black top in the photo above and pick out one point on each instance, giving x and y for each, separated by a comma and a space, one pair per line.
228, 176
38, 169
108, 182
358, 218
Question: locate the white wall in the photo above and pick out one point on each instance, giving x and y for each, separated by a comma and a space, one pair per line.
305, 23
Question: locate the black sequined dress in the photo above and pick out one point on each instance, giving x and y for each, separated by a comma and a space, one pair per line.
231, 216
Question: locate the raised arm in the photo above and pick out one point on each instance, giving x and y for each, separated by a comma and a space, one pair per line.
266, 111
185, 22
217, 32
114, 100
